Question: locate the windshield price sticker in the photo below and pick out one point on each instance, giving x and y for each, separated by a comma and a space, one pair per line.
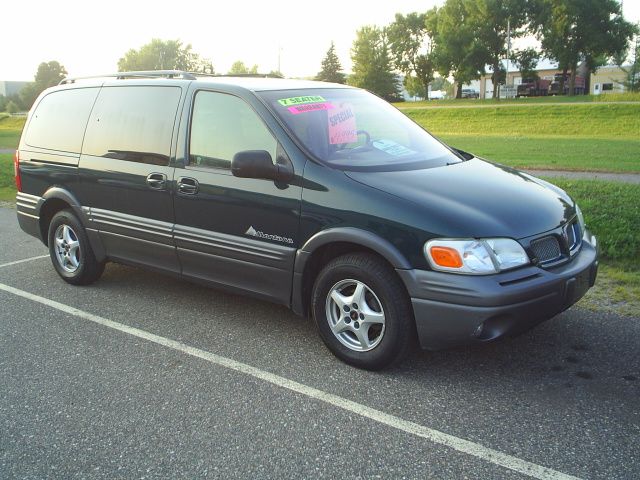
287, 102
342, 125
392, 148
310, 107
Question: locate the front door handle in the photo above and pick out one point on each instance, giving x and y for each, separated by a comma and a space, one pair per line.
187, 186
157, 181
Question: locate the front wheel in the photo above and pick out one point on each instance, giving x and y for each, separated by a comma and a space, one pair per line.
362, 311
70, 250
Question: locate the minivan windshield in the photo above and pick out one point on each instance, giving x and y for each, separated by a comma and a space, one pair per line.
352, 129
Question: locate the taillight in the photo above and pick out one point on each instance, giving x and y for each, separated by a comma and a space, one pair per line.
16, 170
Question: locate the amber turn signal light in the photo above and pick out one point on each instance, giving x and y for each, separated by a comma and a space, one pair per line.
446, 257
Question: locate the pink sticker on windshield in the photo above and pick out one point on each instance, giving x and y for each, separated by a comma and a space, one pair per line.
310, 107
342, 125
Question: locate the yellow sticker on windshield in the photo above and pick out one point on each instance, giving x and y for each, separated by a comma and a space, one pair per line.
287, 102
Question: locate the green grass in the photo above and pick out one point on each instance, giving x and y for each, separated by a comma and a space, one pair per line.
553, 153
7, 182
613, 97
593, 121
10, 130
612, 213
594, 137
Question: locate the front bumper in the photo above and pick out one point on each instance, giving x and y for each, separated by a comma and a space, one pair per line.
452, 310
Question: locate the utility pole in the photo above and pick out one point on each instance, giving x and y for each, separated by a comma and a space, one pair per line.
506, 79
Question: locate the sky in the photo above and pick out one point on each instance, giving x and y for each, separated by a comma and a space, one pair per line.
88, 37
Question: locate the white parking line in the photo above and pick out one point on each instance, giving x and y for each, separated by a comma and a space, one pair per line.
23, 261
436, 436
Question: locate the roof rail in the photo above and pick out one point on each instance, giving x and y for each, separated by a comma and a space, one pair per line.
141, 74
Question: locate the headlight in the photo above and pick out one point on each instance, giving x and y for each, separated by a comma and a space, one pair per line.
475, 257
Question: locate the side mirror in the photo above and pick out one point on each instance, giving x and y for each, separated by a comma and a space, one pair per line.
258, 164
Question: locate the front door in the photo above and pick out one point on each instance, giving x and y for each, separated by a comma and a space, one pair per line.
230, 231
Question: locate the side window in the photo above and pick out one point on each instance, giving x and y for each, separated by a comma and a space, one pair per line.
133, 123
223, 125
59, 120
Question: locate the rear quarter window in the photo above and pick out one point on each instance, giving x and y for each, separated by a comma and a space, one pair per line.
133, 123
60, 119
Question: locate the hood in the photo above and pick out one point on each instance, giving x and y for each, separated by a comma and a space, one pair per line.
476, 198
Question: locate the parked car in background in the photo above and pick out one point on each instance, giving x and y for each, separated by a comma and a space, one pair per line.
470, 93
437, 95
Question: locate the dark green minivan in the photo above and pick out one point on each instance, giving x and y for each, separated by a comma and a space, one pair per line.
317, 196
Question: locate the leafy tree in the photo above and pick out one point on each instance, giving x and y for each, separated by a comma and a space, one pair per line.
372, 63
527, 60
47, 75
491, 20
239, 68
457, 51
589, 31
411, 43
276, 73
165, 55
331, 67
632, 82
3, 103
12, 107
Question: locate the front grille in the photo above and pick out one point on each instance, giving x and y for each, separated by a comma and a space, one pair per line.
546, 249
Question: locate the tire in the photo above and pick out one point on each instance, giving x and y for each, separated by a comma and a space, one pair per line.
373, 293
70, 250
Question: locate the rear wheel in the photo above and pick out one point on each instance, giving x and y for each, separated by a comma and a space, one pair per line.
362, 311
70, 250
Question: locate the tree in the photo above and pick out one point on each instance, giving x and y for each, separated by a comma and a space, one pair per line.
331, 67
12, 107
47, 75
372, 63
527, 60
493, 22
457, 51
632, 82
589, 31
239, 68
441, 83
411, 43
164, 55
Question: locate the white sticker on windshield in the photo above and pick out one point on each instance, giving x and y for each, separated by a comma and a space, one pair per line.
392, 148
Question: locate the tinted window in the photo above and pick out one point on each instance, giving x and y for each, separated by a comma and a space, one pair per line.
133, 123
60, 118
223, 125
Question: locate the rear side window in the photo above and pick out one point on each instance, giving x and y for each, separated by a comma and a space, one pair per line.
59, 120
223, 125
133, 123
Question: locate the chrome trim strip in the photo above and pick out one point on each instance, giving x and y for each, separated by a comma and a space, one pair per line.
28, 215
122, 219
129, 227
26, 197
227, 248
234, 243
30, 206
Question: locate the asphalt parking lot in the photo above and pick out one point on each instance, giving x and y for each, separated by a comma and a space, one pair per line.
146, 376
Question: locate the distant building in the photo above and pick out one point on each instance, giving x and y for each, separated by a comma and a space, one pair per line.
8, 88
607, 79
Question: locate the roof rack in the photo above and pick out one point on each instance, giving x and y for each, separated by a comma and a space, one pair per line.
141, 74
